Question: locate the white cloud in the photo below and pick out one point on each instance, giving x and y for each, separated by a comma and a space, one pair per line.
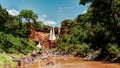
46, 22
42, 18
49, 22
13, 12
84, 11
44, 15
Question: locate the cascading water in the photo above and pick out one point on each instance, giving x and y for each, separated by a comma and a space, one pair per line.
39, 45
52, 34
50, 37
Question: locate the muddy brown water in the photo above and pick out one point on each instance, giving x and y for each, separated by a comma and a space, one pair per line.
70, 62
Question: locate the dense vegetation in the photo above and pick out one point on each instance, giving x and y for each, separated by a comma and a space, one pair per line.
14, 31
97, 29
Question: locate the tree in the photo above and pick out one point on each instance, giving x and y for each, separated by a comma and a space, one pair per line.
85, 1
14, 33
104, 16
38, 24
29, 15
12, 44
66, 26
4, 17
8, 23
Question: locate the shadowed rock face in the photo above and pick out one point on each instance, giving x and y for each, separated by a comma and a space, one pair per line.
47, 40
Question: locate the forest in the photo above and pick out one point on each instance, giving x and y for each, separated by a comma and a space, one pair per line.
97, 29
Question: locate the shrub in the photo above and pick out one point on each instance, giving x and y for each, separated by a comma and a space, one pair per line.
112, 49
5, 59
12, 44
82, 49
27, 45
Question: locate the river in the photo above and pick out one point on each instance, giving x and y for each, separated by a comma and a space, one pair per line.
70, 62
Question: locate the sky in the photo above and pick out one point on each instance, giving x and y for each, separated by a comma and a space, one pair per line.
51, 12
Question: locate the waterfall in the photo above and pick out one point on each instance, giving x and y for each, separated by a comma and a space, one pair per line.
52, 34
39, 45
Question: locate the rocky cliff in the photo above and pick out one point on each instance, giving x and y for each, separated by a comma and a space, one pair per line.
42, 36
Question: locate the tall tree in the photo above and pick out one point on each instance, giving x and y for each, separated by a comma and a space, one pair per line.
4, 17
104, 16
29, 15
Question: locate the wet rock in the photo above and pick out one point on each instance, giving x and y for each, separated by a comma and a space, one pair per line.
116, 58
50, 63
92, 56
34, 55
44, 57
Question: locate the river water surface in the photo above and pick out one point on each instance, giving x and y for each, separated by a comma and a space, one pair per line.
70, 62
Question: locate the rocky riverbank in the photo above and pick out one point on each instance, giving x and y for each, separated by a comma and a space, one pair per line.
57, 59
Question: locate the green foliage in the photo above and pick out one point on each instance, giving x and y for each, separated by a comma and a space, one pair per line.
14, 33
66, 26
82, 18
7, 22
78, 35
5, 59
113, 49
96, 28
82, 49
22, 32
11, 44
4, 16
63, 42
28, 45
28, 15
39, 25
104, 18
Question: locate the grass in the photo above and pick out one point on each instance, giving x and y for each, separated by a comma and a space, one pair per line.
6, 59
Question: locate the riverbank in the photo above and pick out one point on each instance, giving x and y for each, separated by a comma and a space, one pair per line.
46, 59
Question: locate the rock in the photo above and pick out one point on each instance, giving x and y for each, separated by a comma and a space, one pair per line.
117, 58
44, 57
92, 56
43, 38
50, 63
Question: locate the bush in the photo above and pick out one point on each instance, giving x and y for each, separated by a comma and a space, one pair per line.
65, 47
5, 59
12, 44
26, 46
82, 49
112, 49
